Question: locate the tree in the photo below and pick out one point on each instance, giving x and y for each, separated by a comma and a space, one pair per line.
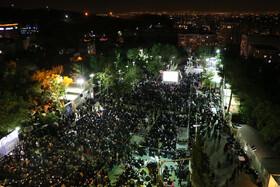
54, 86
17, 79
133, 54
202, 53
13, 110
207, 77
155, 65
257, 84
168, 54
200, 169
79, 69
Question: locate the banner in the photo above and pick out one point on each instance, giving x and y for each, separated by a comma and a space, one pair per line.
8, 143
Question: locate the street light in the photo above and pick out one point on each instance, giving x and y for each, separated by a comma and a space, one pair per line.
218, 51
17, 129
196, 125
92, 76
80, 81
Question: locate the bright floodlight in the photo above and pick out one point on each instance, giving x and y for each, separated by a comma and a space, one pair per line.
218, 51
171, 76
17, 129
80, 81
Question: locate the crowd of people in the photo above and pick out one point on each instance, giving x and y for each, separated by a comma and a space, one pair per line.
85, 147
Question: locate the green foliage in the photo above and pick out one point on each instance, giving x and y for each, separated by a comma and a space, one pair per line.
132, 54
120, 69
13, 110
207, 77
79, 69
257, 85
155, 65
49, 118
203, 52
200, 172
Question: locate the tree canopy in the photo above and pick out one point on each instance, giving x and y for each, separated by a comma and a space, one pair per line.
13, 110
54, 86
200, 170
120, 69
257, 85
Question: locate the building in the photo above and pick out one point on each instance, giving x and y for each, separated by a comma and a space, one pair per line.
29, 30
230, 32
9, 30
192, 41
262, 47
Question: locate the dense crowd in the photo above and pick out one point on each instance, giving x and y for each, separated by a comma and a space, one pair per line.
85, 146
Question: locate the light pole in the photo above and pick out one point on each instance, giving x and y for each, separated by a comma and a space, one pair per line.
92, 78
99, 82
196, 125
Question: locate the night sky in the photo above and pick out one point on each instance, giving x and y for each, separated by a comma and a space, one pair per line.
105, 6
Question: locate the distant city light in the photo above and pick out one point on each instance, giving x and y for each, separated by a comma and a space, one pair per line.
9, 28
66, 16
86, 14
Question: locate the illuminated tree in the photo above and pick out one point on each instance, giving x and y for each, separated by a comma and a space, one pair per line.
207, 77
53, 84
79, 69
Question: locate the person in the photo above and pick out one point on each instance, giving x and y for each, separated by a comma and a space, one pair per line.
259, 183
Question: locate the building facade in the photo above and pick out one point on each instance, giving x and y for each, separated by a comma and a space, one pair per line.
192, 41
261, 47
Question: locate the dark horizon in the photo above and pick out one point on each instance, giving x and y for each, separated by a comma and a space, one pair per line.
124, 6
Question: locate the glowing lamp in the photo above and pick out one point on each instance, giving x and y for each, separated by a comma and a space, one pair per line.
80, 81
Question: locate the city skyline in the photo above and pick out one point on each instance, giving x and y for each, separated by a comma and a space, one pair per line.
122, 6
